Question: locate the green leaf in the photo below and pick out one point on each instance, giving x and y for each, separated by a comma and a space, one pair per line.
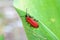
47, 12
1, 37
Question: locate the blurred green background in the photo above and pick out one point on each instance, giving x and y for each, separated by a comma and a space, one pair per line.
47, 12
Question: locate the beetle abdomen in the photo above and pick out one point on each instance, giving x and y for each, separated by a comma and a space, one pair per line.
32, 22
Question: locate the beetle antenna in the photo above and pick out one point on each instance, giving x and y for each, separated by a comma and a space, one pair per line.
26, 13
26, 10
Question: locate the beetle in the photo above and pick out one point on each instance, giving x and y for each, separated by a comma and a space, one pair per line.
31, 21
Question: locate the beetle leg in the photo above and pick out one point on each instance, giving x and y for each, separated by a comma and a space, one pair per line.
36, 20
30, 17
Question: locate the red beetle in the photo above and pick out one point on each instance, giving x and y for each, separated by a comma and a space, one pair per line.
32, 22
